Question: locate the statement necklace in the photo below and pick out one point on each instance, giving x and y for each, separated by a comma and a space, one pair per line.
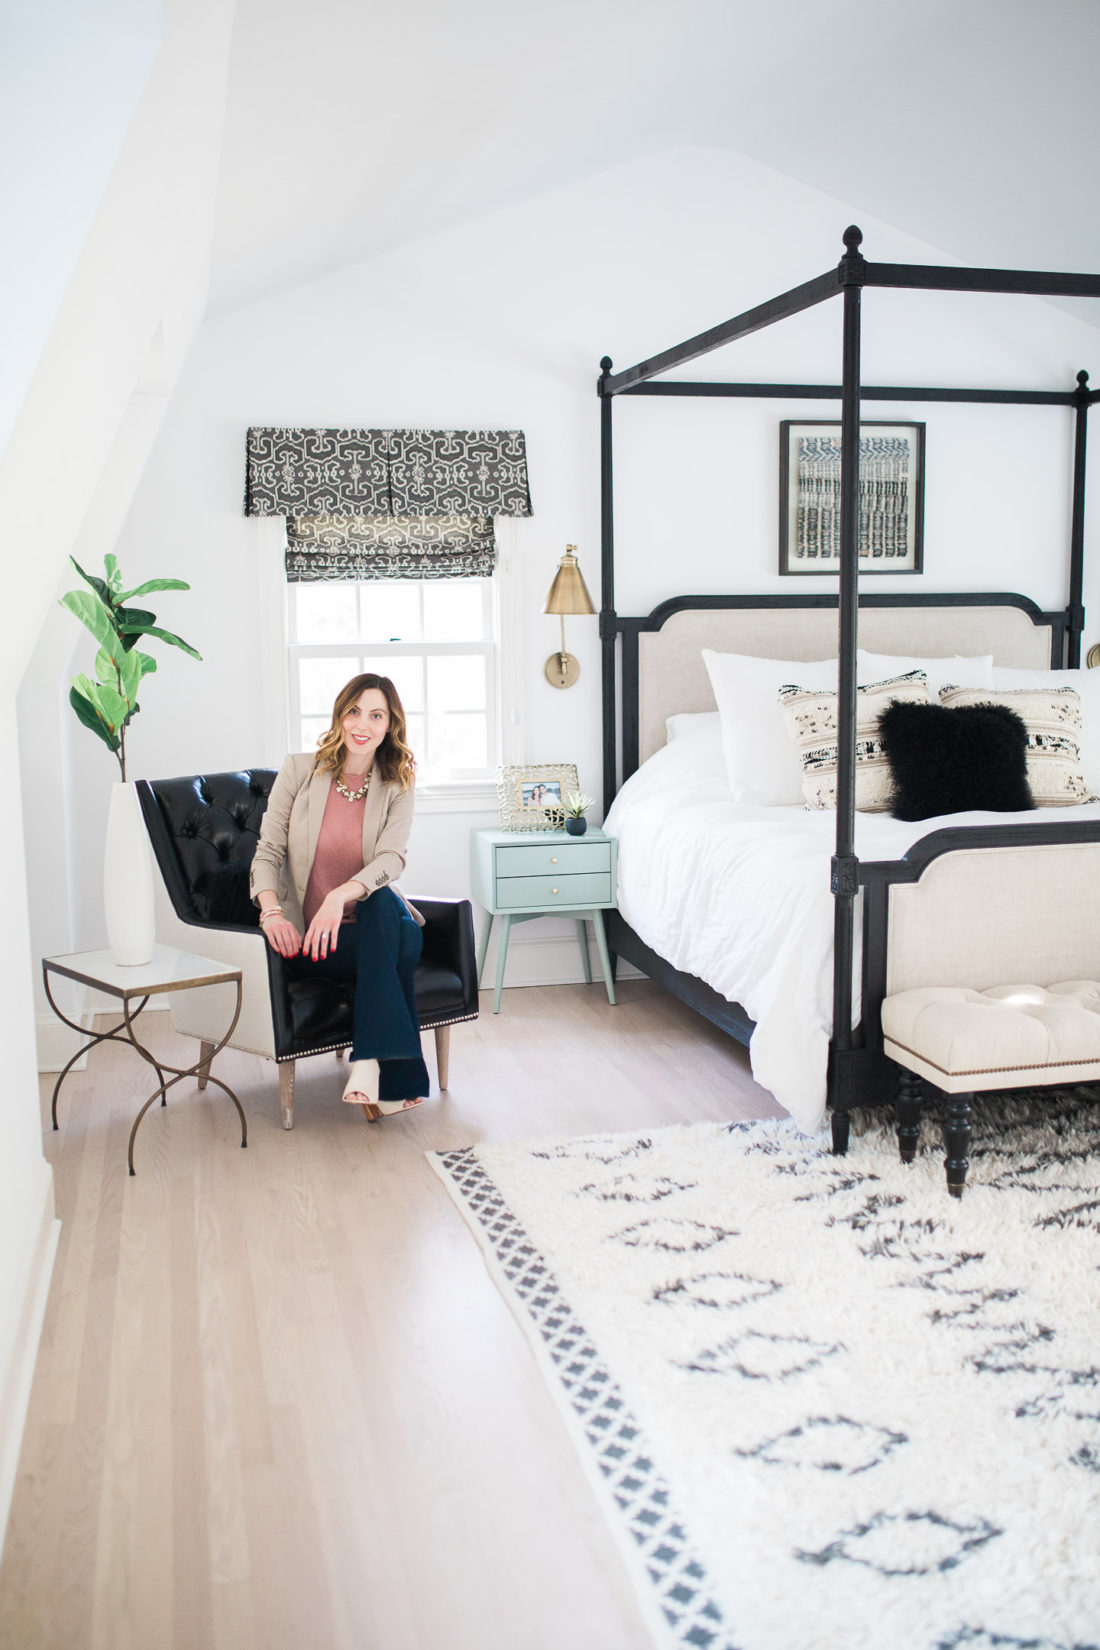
355, 796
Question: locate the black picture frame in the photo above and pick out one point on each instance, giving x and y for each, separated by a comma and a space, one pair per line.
891, 536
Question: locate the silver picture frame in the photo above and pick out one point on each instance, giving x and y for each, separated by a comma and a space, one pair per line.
532, 796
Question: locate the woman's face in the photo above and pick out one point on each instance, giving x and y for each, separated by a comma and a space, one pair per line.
365, 725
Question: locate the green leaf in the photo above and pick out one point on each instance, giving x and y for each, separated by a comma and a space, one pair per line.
153, 584
86, 713
105, 667
111, 706
176, 641
97, 585
132, 674
133, 622
114, 577
133, 618
92, 613
146, 661
118, 669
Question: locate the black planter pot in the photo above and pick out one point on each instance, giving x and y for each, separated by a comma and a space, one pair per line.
576, 827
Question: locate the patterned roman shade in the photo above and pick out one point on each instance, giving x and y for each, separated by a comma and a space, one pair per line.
387, 504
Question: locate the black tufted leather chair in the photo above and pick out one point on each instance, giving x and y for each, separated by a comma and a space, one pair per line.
204, 829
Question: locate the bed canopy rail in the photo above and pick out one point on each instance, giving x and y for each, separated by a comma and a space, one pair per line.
852, 273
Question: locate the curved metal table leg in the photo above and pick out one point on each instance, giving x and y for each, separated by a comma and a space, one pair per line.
94, 1038
204, 1062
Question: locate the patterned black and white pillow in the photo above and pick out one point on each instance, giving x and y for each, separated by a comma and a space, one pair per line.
811, 715
1052, 717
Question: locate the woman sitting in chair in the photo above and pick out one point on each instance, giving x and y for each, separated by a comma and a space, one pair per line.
331, 844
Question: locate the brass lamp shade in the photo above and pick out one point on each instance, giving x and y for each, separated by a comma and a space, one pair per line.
568, 594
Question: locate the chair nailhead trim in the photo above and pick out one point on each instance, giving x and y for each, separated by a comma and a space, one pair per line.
332, 1048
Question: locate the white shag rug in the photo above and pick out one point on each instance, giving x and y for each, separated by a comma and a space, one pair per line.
826, 1405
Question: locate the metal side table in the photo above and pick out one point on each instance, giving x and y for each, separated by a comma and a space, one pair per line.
168, 970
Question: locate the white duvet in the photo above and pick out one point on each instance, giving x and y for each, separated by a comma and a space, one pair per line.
738, 895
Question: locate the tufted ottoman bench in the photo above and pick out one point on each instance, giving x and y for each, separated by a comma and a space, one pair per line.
963, 1041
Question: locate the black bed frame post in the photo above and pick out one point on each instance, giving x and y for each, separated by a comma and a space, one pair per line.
607, 588
1075, 616
845, 882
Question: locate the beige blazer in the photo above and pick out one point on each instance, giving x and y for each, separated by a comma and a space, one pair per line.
292, 824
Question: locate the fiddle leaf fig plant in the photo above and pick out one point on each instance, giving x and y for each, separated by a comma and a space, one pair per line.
109, 704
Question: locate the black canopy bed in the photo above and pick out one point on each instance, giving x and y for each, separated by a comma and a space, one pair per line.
652, 670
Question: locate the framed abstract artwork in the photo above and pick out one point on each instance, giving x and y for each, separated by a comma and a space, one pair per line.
891, 497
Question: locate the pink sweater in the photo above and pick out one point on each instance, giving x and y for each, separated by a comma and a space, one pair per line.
339, 852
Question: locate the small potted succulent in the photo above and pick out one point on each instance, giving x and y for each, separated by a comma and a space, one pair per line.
576, 804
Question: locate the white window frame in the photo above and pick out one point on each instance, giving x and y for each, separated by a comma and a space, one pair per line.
506, 679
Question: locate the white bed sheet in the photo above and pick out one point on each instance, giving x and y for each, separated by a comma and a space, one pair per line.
738, 895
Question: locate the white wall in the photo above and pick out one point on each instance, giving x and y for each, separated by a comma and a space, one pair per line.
503, 322
120, 318
71, 78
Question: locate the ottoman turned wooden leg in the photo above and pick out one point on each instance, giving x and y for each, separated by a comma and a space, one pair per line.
956, 1138
907, 1108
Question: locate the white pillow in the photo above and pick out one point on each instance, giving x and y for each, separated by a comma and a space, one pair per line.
1087, 683
692, 724
761, 757
975, 672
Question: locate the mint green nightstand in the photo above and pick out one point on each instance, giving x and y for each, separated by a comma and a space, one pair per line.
519, 875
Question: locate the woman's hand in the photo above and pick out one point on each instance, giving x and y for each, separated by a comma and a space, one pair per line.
282, 936
322, 933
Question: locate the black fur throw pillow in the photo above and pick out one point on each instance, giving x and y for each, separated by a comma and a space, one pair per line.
949, 761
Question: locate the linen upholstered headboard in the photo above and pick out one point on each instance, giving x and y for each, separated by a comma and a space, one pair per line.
671, 676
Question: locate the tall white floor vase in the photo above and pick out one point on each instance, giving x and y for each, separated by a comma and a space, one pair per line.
128, 880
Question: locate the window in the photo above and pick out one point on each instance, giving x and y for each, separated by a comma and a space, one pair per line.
436, 640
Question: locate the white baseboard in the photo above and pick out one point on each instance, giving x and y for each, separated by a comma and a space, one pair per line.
16, 1379
57, 1043
546, 960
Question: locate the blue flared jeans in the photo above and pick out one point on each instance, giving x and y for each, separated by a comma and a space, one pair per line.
378, 954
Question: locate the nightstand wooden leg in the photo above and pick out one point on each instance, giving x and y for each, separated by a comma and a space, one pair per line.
605, 958
502, 958
582, 941
483, 946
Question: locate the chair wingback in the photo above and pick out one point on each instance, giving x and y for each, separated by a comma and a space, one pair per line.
204, 829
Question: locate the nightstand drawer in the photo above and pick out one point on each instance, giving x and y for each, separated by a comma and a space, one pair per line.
552, 859
593, 888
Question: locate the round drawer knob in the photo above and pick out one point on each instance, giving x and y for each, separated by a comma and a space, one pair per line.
553, 890
554, 859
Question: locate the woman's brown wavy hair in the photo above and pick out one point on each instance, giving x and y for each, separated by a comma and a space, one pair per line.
393, 758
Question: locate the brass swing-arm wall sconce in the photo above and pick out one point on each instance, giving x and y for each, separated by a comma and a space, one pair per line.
568, 594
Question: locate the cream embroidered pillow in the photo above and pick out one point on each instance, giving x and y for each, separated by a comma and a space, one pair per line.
1052, 717
811, 718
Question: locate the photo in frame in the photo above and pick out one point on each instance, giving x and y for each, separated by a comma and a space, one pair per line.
891, 497
532, 797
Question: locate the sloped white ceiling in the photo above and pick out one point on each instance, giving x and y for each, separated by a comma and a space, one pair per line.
354, 126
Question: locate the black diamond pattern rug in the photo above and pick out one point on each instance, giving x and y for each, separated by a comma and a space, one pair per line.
823, 1403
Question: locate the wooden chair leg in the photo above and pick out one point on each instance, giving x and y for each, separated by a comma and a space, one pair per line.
907, 1108
956, 1137
205, 1052
442, 1053
286, 1091
839, 1122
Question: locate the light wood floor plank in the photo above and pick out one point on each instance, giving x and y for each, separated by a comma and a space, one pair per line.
279, 1404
